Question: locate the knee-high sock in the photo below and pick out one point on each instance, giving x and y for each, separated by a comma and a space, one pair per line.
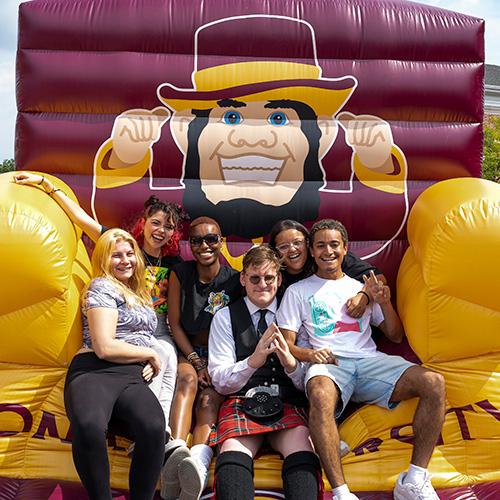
300, 474
234, 476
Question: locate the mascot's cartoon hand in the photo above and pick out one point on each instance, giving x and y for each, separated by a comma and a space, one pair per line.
134, 132
370, 138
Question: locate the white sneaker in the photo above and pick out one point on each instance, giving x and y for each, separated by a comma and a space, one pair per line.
193, 477
348, 496
169, 478
410, 491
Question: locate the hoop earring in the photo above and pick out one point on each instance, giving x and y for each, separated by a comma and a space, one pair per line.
169, 242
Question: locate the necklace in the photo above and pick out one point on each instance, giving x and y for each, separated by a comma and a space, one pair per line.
150, 262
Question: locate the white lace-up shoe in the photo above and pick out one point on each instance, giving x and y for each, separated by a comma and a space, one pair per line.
193, 477
349, 496
169, 478
410, 491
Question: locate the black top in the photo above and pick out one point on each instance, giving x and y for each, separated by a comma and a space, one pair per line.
200, 301
352, 265
157, 275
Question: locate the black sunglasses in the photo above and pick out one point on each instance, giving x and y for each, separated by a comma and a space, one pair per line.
268, 279
209, 239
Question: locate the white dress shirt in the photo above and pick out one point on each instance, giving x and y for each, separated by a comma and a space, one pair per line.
229, 375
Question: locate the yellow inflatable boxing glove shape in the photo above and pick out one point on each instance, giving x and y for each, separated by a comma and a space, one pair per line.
43, 267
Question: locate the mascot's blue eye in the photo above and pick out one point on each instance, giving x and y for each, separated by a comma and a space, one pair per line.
232, 118
278, 118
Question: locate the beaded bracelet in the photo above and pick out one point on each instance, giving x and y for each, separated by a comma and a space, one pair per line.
200, 366
365, 294
192, 356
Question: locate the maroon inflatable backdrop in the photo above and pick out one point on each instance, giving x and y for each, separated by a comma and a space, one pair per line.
420, 69
365, 78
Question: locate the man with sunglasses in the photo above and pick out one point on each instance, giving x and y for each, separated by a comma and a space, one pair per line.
249, 361
197, 289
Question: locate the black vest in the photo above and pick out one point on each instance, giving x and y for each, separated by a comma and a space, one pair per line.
246, 339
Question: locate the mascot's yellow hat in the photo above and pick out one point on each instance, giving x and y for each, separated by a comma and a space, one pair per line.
271, 58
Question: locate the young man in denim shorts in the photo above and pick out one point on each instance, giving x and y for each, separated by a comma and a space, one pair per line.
348, 366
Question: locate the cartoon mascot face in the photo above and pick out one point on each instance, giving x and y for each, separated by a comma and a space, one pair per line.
253, 132
253, 128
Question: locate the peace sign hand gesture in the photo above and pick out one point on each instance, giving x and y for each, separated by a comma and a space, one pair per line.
380, 293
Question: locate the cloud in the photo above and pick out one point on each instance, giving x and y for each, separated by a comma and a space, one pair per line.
7, 77
8, 15
492, 36
8, 45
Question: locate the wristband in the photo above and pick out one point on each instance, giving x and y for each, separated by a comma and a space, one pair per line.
365, 294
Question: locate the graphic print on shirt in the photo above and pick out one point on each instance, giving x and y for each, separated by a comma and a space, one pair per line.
330, 317
216, 301
157, 284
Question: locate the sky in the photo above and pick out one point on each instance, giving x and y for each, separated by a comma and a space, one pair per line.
486, 9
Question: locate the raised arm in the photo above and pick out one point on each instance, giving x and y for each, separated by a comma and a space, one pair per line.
74, 211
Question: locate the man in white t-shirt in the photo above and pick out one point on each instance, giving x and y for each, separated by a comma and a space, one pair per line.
345, 363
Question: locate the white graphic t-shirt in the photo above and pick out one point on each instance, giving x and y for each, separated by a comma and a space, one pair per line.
319, 305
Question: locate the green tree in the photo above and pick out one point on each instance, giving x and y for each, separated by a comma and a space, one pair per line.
491, 161
7, 166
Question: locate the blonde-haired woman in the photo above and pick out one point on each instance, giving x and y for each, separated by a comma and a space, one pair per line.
107, 379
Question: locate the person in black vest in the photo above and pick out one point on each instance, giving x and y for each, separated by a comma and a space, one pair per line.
250, 362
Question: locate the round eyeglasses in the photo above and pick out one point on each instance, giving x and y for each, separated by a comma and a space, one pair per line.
268, 279
286, 247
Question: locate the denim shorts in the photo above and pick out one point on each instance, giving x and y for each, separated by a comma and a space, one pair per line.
363, 380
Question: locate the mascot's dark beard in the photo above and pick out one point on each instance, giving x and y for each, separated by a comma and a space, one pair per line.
245, 217
249, 218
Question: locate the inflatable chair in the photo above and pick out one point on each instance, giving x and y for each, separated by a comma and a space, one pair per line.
383, 104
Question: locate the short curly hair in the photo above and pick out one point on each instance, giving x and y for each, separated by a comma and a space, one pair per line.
328, 224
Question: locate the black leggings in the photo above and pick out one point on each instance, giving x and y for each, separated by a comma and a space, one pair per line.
97, 390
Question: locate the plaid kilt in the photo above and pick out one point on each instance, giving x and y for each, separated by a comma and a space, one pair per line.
233, 422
